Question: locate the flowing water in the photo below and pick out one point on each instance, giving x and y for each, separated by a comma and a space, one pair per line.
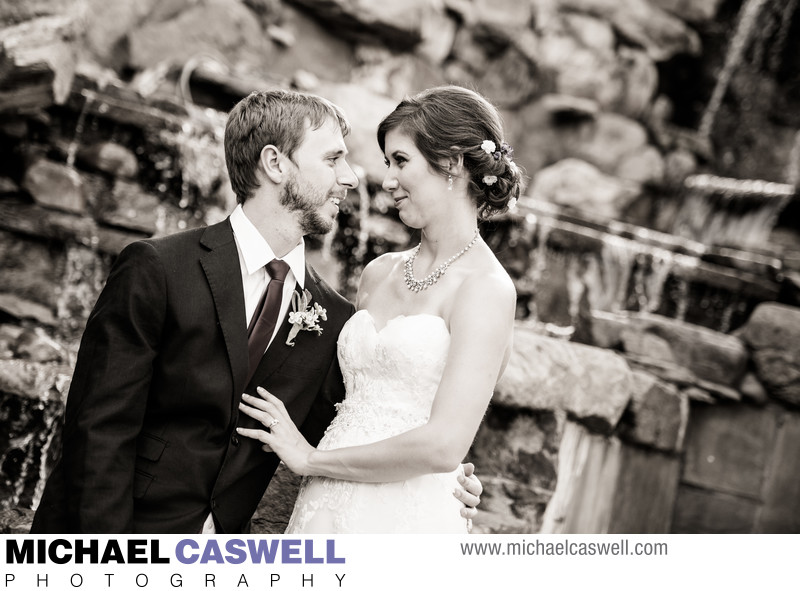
748, 18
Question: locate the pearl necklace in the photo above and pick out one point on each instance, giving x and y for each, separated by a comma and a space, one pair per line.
417, 285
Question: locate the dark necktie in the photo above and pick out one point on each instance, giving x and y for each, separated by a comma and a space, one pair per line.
266, 315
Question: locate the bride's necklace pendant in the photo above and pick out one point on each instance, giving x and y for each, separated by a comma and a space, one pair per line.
417, 285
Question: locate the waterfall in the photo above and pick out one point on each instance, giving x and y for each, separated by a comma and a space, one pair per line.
792, 171
731, 212
747, 21
72, 151
782, 36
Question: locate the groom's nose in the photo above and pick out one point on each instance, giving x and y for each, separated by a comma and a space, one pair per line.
346, 176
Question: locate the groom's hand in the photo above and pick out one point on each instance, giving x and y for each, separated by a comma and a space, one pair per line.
469, 492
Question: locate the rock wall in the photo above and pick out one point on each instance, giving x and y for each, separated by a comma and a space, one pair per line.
111, 119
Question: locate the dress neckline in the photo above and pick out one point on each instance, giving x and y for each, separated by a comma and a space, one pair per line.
400, 317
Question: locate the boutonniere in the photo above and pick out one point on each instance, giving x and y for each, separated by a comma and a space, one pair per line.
304, 316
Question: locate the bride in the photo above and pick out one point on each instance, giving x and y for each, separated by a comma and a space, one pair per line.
430, 339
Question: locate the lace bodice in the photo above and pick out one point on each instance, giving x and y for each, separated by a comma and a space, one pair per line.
391, 375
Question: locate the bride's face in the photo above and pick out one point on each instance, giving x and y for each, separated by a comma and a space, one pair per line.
417, 188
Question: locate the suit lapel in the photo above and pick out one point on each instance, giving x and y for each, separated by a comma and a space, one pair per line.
278, 350
222, 269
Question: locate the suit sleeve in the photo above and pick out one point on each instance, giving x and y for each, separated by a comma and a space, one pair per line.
109, 391
322, 409
332, 392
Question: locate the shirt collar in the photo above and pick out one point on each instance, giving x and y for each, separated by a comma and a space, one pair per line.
257, 252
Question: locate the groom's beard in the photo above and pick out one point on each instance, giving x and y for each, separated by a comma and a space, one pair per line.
303, 200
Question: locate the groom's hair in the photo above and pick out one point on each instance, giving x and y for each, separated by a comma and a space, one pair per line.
277, 117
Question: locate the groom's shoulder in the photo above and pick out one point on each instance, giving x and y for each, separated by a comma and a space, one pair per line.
332, 297
202, 237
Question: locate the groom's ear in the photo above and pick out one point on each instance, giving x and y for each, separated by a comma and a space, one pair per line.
270, 163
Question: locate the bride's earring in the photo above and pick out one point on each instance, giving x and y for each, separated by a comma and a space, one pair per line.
449, 182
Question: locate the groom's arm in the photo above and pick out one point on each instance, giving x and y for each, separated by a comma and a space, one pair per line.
109, 391
322, 409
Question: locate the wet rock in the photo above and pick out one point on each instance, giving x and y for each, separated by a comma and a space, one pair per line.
773, 334
542, 132
393, 75
516, 457
130, 206
16, 128
35, 345
569, 107
580, 56
694, 11
679, 164
275, 509
608, 139
13, 12
576, 183
438, 33
33, 220
505, 16
31, 399
709, 355
657, 416
7, 185
109, 22
57, 185
511, 80
640, 22
753, 390
209, 27
111, 158
397, 25
470, 51
642, 166
29, 272
639, 79
22, 308
591, 384
319, 51
37, 62
16, 520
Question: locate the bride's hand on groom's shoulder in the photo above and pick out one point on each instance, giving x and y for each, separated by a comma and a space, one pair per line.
280, 435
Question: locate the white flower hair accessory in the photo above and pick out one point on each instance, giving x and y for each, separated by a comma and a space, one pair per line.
489, 147
303, 316
489, 179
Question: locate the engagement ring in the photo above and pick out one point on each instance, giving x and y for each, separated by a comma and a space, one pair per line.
272, 423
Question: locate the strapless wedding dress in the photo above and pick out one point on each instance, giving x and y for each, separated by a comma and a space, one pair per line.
391, 376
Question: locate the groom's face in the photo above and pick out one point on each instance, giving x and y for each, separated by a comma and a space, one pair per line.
320, 178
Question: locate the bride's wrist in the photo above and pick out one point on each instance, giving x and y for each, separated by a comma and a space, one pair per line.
312, 464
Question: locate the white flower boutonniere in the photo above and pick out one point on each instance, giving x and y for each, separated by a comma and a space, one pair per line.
304, 316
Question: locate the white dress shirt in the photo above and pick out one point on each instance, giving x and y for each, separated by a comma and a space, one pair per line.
254, 254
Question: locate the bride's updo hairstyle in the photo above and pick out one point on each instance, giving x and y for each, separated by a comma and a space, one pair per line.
449, 120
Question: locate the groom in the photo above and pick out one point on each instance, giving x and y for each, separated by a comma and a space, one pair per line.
188, 322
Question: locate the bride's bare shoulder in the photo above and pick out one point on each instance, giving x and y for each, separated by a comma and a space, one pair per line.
379, 268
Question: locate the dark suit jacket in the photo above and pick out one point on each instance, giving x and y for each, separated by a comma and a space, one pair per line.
149, 442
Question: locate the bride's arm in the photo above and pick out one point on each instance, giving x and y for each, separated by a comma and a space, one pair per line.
481, 325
